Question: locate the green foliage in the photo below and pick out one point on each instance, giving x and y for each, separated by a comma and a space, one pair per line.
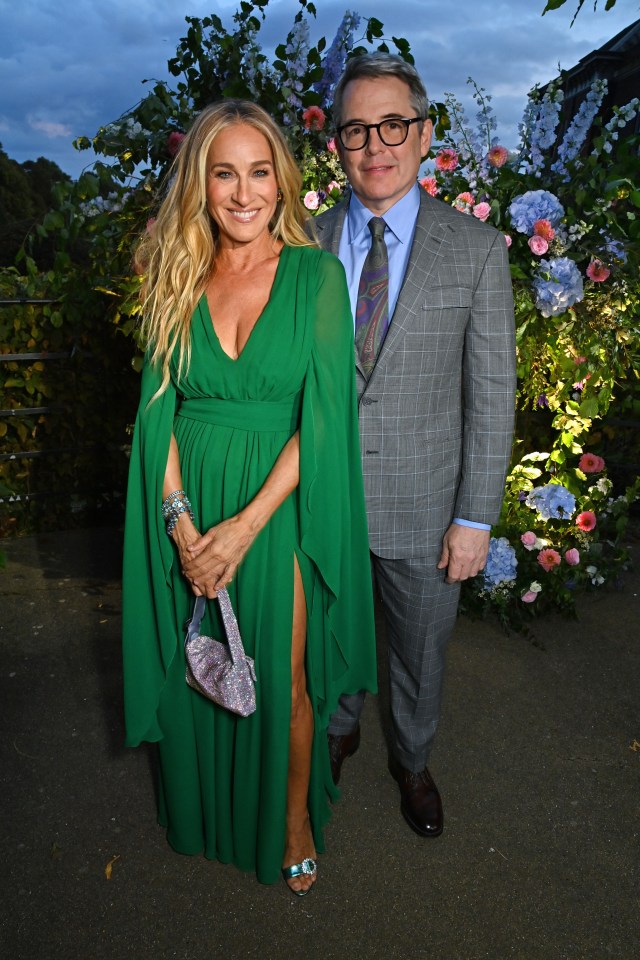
66, 460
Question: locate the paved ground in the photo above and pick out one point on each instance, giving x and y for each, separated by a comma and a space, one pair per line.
536, 762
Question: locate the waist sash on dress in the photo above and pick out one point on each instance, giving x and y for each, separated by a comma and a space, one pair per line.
276, 416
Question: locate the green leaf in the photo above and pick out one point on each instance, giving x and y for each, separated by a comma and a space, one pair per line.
589, 407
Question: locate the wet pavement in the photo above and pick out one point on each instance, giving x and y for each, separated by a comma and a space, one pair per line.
537, 759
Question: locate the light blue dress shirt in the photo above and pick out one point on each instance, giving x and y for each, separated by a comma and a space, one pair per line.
355, 241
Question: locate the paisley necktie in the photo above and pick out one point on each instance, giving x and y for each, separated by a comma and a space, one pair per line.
372, 310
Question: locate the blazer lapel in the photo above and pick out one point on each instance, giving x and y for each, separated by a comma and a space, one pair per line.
329, 226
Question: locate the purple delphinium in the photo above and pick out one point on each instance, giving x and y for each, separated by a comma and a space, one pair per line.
297, 56
579, 127
538, 128
335, 58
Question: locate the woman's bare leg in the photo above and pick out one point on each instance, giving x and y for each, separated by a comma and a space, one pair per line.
299, 840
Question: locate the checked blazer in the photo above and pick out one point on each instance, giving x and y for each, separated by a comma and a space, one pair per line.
436, 415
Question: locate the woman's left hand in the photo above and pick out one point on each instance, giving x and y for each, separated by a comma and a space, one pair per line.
216, 555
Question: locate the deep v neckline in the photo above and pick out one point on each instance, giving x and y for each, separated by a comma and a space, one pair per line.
204, 300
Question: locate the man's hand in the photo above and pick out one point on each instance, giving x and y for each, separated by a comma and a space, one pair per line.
464, 552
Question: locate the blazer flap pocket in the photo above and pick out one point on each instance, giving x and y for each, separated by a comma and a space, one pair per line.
444, 298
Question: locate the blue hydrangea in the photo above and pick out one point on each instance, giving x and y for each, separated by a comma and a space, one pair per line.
557, 285
501, 563
552, 502
535, 205
614, 253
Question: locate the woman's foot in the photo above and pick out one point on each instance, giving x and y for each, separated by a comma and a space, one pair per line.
300, 851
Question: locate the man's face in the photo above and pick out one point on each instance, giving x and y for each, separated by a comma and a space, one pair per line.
381, 175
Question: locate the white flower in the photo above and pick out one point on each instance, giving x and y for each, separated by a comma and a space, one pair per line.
535, 587
596, 578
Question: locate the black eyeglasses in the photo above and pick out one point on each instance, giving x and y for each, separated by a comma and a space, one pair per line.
392, 132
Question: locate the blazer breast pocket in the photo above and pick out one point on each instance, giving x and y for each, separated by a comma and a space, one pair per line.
448, 298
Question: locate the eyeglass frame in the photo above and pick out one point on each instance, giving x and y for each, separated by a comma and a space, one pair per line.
376, 126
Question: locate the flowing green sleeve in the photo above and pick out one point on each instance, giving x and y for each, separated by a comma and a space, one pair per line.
149, 640
333, 522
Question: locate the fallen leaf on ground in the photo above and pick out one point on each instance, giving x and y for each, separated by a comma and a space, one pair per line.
109, 867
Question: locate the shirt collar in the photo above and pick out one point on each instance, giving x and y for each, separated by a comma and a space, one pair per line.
400, 218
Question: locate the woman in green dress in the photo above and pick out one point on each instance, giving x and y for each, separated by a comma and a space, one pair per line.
248, 421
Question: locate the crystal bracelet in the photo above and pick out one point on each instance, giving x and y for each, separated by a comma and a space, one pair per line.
173, 500
173, 507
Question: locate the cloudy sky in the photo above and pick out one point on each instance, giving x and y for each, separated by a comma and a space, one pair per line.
69, 66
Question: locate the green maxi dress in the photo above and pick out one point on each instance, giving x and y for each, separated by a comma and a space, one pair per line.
223, 778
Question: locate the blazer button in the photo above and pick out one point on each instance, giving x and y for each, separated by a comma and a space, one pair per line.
366, 401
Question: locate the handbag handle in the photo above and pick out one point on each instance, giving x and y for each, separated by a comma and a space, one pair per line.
231, 628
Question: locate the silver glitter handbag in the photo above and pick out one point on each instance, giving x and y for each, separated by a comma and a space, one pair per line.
222, 672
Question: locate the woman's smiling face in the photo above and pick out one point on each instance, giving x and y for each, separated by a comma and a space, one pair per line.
241, 184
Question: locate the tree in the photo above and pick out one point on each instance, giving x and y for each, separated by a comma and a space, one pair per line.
26, 194
556, 4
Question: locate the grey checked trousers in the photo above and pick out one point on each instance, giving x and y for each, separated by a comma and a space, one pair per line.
420, 611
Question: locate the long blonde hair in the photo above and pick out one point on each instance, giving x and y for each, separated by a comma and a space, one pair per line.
178, 253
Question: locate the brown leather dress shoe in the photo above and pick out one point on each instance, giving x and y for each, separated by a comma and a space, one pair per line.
341, 747
420, 804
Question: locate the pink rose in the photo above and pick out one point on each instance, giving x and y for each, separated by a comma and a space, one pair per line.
334, 185
528, 597
446, 160
173, 142
311, 200
331, 145
586, 520
543, 228
313, 118
590, 463
482, 210
548, 559
497, 156
597, 271
529, 539
430, 184
507, 240
572, 557
538, 245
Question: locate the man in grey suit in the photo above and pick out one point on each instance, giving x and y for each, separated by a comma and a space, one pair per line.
431, 295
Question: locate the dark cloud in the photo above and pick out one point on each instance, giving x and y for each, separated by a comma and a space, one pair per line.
68, 67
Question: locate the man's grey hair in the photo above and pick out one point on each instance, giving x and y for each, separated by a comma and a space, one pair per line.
380, 65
